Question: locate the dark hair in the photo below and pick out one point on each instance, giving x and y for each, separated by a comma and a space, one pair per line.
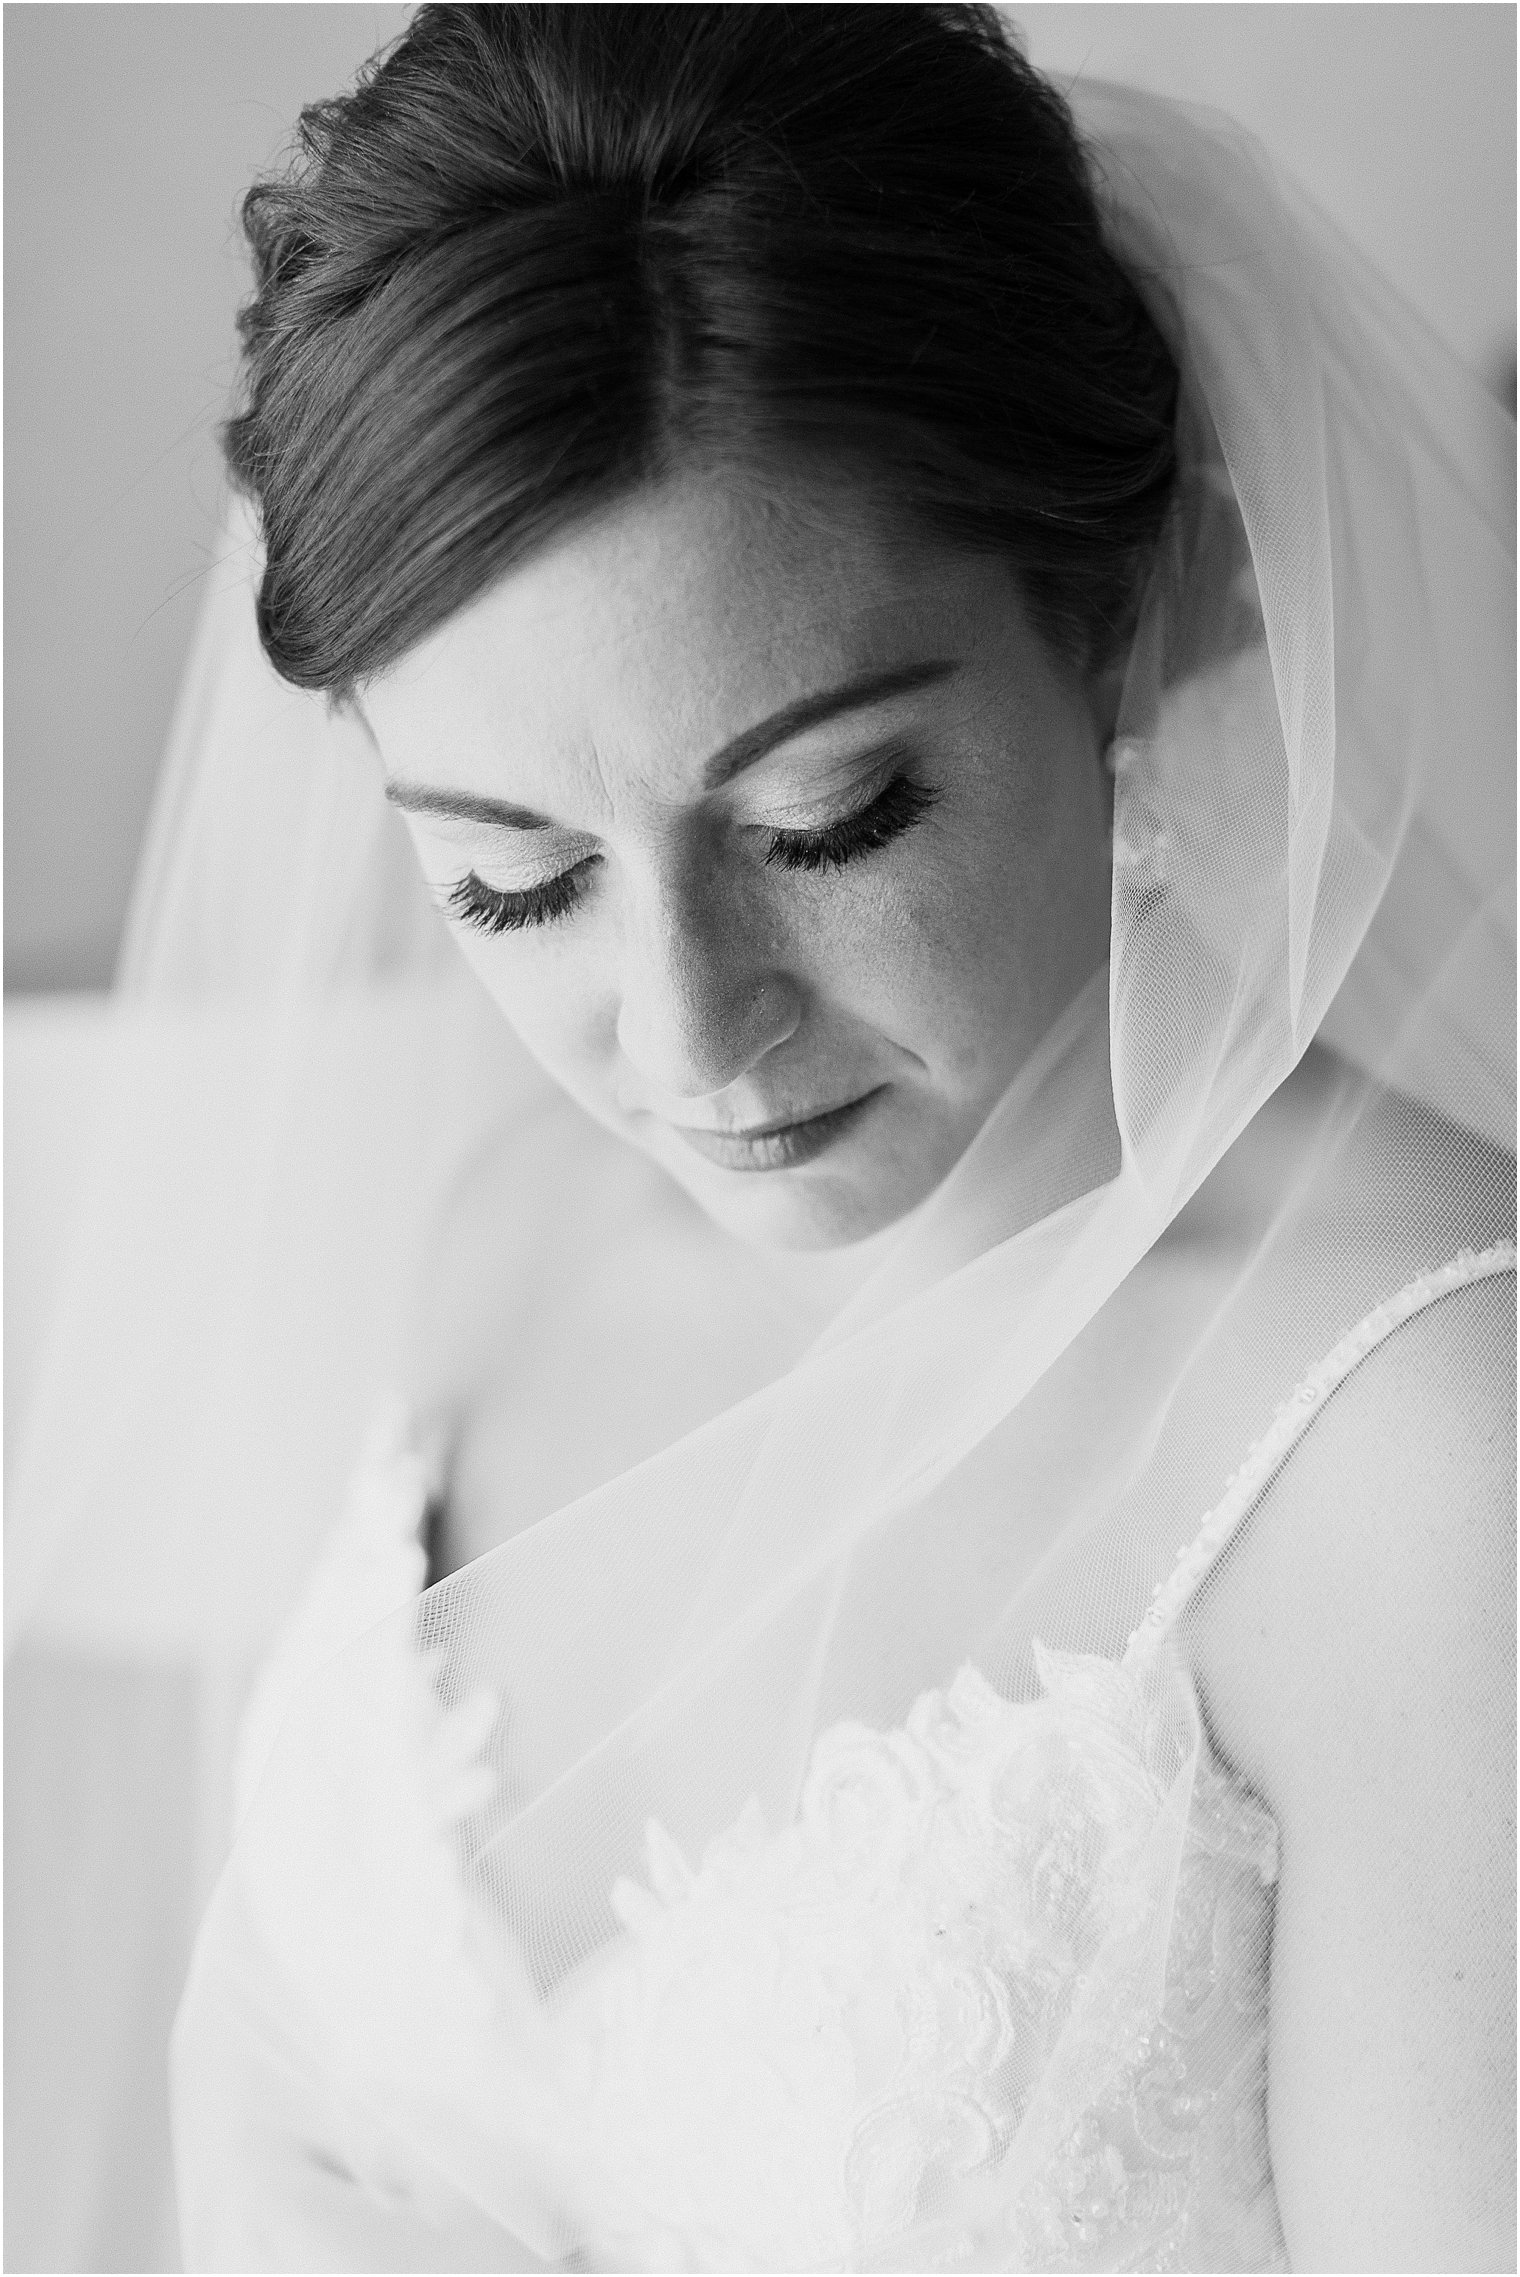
543, 254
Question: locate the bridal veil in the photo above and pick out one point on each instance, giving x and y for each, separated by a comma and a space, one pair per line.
996, 1447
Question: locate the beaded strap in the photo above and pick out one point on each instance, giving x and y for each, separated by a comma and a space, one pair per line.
1289, 1424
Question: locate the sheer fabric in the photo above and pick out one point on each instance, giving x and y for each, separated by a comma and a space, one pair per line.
988, 1458
749, 2086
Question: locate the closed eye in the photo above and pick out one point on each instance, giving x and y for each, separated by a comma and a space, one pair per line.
894, 811
492, 910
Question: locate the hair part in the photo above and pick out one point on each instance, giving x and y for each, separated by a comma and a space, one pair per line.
542, 255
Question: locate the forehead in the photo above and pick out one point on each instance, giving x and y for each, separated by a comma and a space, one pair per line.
650, 634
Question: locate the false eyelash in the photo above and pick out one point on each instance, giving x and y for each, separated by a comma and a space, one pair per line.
895, 810
475, 903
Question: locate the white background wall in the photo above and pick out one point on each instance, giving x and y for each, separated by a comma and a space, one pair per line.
131, 130
1399, 119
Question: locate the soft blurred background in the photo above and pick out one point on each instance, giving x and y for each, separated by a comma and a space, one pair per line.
130, 131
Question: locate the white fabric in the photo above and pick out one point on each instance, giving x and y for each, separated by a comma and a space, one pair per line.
1002, 1436
740, 2074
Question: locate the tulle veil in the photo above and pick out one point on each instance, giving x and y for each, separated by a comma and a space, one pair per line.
1001, 1439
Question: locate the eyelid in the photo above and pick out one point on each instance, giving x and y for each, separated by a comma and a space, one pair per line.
488, 849
512, 861
868, 776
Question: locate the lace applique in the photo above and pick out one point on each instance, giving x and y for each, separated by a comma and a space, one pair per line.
373, 1565
973, 2006
905, 2029
996, 1997
1168, 2166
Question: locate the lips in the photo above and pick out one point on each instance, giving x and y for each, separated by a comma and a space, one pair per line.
779, 1146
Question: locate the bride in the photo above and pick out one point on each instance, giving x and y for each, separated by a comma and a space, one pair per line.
921, 1676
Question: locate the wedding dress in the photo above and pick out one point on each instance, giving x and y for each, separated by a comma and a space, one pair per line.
801, 1846
929, 1971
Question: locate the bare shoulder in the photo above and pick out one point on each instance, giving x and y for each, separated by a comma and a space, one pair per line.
1386, 1538
1354, 1654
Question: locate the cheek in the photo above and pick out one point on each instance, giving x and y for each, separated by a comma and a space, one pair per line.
986, 929
944, 942
552, 994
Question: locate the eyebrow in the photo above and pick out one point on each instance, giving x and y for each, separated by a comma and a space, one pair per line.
811, 711
741, 751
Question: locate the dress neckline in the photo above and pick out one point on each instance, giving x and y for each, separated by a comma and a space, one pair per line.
399, 1487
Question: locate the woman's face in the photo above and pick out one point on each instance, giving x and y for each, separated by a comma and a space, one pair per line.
777, 834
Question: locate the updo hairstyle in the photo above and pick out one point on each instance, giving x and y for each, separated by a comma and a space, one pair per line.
544, 255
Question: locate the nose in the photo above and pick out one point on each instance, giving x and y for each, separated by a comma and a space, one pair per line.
703, 997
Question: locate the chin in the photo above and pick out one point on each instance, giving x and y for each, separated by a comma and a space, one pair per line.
810, 1209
